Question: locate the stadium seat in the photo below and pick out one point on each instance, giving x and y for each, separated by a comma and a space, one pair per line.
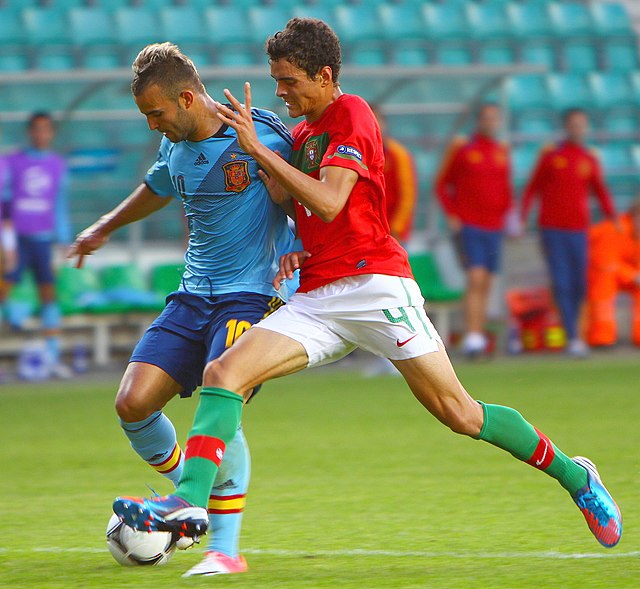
611, 19
135, 28
230, 38
496, 54
528, 92
621, 54
78, 291
47, 34
529, 20
579, 56
12, 31
165, 278
570, 90
446, 21
360, 32
126, 290
488, 21
322, 10
92, 31
626, 122
430, 280
404, 29
616, 157
571, 19
452, 54
523, 160
264, 21
23, 300
184, 26
613, 90
13, 62
535, 123
538, 53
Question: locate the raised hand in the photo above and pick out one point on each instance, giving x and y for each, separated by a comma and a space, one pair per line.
289, 263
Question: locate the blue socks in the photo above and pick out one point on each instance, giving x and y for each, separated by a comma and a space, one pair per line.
228, 497
154, 440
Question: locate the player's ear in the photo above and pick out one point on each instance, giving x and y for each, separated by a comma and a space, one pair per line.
326, 75
185, 99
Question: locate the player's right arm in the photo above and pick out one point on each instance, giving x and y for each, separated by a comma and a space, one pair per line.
141, 203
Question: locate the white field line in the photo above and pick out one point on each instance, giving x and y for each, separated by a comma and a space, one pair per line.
465, 555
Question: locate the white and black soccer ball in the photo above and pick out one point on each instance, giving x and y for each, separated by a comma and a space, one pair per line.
135, 548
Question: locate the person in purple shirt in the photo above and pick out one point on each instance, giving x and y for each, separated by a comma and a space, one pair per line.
35, 200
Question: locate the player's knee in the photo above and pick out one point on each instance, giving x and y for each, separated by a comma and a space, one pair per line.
131, 407
464, 419
215, 375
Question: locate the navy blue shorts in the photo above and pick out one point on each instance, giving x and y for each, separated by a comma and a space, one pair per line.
480, 248
192, 330
35, 255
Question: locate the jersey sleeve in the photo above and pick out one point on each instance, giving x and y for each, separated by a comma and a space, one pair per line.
158, 178
353, 136
273, 132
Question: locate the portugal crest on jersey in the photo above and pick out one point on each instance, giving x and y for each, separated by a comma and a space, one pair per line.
312, 153
236, 176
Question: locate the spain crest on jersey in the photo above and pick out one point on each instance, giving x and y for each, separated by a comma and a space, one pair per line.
312, 153
236, 175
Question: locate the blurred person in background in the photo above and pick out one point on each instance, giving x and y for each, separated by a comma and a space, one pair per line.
564, 176
401, 183
474, 188
614, 267
35, 200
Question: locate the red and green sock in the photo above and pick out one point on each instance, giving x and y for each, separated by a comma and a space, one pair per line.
215, 424
506, 428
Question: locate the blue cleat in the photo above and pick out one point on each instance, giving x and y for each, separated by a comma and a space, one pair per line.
598, 507
164, 514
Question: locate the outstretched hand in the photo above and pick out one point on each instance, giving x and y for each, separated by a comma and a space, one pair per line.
289, 263
240, 119
85, 244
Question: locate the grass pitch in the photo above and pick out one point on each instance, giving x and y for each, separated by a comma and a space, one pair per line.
354, 485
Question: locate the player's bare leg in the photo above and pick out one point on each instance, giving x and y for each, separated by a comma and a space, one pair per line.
434, 383
476, 300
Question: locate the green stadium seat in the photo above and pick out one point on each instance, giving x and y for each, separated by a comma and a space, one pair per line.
621, 55
571, 19
528, 92
446, 21
611, 19
579, 56
125, 287
23, 301
614, 90
430, 280
135, 28
570, 90
529, 20
78, 291
488, 21
538, 53
166, 278
265, 21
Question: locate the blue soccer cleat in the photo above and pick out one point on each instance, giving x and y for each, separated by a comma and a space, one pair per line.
164, 514
598, 507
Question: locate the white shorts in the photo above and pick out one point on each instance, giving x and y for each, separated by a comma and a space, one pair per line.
381, 314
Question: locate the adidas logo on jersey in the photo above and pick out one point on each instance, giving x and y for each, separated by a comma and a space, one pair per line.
201, 160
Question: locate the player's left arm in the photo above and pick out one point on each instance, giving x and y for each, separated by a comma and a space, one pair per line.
324, 197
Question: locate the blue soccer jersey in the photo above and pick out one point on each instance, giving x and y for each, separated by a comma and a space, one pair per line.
236, 232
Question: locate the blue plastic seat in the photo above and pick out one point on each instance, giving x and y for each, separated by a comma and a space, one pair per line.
611, 19
446, 21
579, 56
626, 122
136, 27
496, 54
538, 53
613, 90
528, 92
571, 19
540, 123
453, 54
358, 23
621, 54
321, 10
616, 157
92, 31
523, 159
182, 25
12, 30
229, 36
570, 90
403, 22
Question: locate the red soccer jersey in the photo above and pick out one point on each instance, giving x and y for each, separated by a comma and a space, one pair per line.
474, 182
563, 178
357, 241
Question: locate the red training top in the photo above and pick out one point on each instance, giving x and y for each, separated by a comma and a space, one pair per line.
474, 181
357, 241
563, 177
401, 183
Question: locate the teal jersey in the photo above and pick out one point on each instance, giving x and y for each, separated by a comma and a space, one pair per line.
236, 232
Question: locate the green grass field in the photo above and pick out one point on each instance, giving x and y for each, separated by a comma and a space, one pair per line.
354, 485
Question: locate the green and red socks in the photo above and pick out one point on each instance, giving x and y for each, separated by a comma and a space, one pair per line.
215, 424
506, 428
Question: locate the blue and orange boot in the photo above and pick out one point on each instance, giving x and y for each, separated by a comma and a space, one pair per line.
165, 514
598, 507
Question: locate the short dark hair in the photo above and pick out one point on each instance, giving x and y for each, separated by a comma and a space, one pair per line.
308, 43
164, 65
39, 114
574, 110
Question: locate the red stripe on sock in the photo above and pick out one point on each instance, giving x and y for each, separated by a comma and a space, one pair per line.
226, 497
544, 453
205, 447
223, 511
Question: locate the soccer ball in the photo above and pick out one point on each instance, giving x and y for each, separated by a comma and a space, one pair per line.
134, 548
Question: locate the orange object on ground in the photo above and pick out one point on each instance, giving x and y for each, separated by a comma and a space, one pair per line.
614, 266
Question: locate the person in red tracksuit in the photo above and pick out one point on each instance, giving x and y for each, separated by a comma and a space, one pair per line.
565, 175
474, 188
